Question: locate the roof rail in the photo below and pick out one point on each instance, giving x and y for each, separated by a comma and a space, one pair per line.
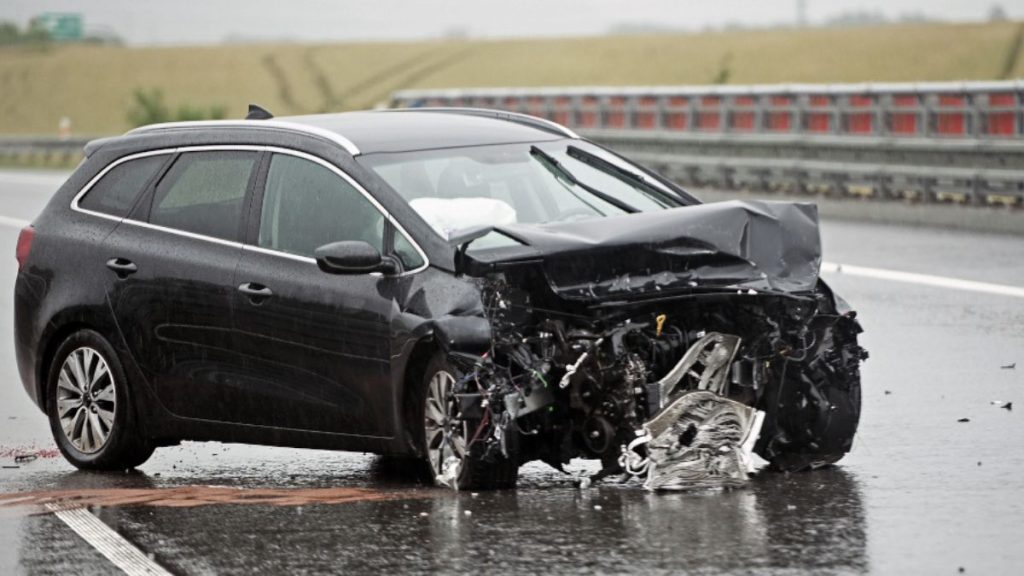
524, 119
345, 143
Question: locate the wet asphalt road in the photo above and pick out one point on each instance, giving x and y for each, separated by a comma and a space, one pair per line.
920, 494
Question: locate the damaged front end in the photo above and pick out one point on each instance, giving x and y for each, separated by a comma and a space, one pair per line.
669, 346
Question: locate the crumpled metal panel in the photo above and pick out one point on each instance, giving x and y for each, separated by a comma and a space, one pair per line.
748, 245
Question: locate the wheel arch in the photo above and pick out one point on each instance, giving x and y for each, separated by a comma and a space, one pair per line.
49, 347
60, 328
412, 378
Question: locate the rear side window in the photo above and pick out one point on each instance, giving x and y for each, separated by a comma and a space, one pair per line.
115, 193
203, 193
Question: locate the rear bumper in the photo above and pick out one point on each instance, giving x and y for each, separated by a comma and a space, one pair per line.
26, 338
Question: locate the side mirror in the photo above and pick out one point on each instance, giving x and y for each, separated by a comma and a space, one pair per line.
353, 257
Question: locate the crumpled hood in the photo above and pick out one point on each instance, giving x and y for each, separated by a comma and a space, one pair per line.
763, 246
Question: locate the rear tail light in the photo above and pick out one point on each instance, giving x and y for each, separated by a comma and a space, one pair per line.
28, 234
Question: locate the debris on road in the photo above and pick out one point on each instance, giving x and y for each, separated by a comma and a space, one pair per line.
964, 420
1009, 366
1003, 405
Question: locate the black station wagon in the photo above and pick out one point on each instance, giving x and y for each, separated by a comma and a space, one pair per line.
464, 290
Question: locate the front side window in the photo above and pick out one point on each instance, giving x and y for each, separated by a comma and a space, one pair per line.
115, 193
307, 205
204, 193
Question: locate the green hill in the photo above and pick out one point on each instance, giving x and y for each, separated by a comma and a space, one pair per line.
93, 85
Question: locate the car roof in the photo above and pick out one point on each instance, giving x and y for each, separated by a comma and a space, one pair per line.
389, 130
404, 130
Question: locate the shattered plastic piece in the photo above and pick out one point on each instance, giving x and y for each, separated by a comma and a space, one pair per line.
964, 420
1009, 366
452, 467
714, 354
700, 440
25, 458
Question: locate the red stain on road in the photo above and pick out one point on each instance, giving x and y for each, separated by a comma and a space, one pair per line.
192, 496
17, 452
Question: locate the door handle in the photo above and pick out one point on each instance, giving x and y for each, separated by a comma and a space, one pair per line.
122, 267
257, 293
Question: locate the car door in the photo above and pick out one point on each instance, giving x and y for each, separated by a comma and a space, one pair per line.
171, 264
317, 345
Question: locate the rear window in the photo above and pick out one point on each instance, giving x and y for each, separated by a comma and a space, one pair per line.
116, 192
204, 193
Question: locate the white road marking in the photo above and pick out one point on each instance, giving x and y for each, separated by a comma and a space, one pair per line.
106, 541
13, 222
923, 279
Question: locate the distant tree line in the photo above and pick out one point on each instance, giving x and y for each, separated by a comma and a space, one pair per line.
12, 35
149, 107
854, 18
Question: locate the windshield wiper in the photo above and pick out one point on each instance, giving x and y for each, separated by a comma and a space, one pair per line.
558, 170
621, 173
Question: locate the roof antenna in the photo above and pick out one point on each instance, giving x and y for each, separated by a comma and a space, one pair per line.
257, 112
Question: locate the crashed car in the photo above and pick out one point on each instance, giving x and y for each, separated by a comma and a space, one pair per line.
469, 288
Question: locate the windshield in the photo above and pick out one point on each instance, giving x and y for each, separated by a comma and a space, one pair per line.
458, 188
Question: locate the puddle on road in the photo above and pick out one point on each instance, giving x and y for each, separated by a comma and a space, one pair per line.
193, 496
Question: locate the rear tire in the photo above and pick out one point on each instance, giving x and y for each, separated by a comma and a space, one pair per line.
90, 406
453, 459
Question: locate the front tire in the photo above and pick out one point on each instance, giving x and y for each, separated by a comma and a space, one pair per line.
455, 447
89, 405
814, 407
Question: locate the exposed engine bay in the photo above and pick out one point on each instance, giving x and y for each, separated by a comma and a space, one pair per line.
671, 358
676, 393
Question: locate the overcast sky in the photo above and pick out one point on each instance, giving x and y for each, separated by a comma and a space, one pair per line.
213, 21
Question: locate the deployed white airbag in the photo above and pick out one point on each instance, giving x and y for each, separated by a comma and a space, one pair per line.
447, 215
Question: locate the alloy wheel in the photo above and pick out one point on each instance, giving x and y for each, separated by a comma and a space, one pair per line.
86, 400
446, 433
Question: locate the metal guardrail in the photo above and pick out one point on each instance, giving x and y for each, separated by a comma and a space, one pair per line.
937, 142
946, 109
41, 150
963, 172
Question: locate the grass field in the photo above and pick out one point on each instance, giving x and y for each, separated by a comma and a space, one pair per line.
93, 85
